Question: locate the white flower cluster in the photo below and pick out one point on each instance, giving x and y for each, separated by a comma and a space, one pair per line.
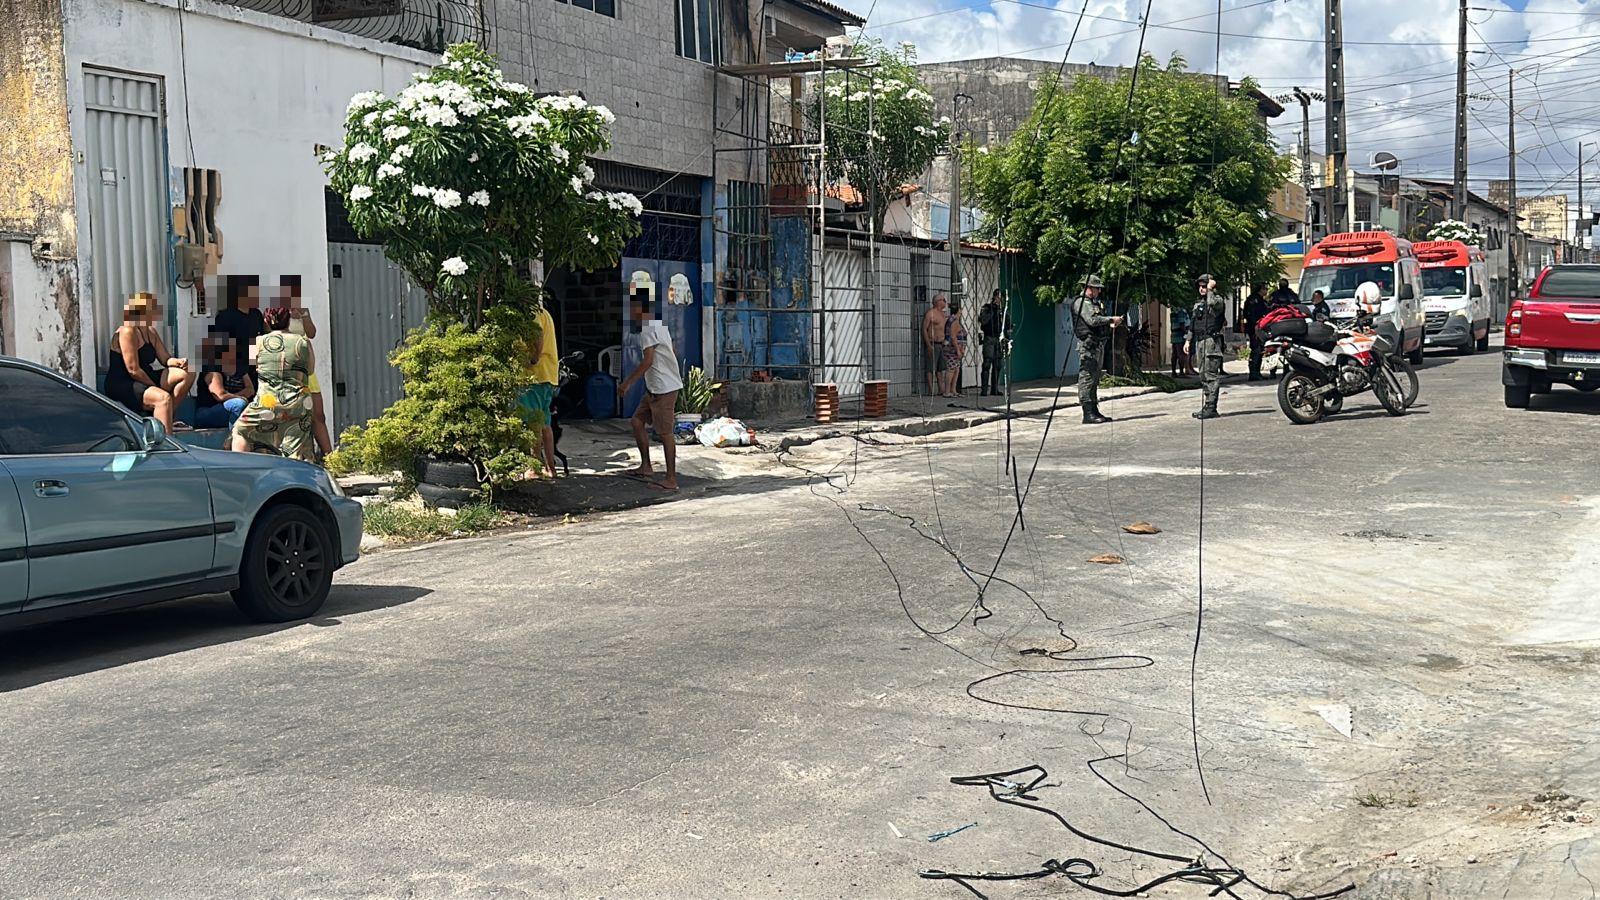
479, 198
919, 94
395, 132
560, 153
455, 265
925, 131
586, 172
577, 185
364, 100
401, 153
361, 152
523, 126
563, 102
447, 198
620, 200
388, 170
360, 192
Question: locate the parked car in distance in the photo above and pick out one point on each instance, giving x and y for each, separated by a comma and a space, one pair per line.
1553, 336
101, 510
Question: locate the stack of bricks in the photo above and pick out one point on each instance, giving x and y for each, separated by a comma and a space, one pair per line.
827, 400
875, 400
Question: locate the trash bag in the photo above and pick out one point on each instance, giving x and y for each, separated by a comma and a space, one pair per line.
725, 432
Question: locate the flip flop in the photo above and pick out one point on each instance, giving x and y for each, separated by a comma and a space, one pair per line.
636, 476
661, 487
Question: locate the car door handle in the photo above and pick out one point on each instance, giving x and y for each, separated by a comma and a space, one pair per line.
50, 488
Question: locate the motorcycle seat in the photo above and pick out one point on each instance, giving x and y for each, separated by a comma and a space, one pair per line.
1320, 336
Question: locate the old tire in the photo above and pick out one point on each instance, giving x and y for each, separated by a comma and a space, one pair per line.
455, 473
1517, 396
1295, 400
287, 567
435, 496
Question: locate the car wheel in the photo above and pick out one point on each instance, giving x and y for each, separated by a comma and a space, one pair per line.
287, 567
1588, 386
1483, 342
1415, 356
1517, 396
1470, 347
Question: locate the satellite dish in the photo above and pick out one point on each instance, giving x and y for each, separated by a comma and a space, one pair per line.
1384, 161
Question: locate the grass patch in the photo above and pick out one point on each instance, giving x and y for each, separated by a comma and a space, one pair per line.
413, 523
1372, 800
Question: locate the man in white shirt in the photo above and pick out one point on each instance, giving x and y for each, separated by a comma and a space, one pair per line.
659, 369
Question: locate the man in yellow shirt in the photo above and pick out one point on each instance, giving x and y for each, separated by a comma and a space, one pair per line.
544, 371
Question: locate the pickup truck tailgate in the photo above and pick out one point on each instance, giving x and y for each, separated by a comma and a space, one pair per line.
1563, 311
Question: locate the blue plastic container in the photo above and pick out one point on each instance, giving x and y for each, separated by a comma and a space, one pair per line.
600, 395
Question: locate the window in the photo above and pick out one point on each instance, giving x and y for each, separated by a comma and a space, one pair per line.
1571, 283
41, 414
697, 34
603, 7
1445, 281
1340, 282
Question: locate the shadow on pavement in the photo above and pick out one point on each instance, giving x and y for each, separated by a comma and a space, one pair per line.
1565, 401
44, 653
613, 492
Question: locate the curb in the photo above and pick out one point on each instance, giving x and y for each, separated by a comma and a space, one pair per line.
949, 422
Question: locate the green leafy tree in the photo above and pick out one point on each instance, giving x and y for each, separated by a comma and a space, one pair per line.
1147, 196
463, 175
881, 129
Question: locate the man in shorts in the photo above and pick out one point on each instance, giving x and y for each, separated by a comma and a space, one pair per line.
662, 381
933, 322
538, 401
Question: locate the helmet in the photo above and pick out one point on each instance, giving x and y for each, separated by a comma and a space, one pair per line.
1369, 295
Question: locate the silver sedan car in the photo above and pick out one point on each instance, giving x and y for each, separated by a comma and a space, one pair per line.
102, 510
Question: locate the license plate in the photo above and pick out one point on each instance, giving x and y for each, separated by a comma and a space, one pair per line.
1591, 358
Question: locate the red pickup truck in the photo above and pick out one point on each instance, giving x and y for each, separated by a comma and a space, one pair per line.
1554, 335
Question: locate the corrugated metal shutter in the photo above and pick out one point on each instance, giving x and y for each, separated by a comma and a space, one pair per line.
126, 179
844, 302
374, 304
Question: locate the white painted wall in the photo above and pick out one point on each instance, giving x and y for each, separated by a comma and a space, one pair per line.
256, 94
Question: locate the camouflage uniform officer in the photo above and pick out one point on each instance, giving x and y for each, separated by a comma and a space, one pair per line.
1208, 322
1093, 329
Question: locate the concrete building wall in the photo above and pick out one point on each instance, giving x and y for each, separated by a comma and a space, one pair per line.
896, 324
251, 96
40, 306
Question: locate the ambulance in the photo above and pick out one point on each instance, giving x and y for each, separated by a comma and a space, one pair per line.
1340, 263
1455, 309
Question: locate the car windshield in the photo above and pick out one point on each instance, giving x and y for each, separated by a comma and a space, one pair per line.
1574, 283
1340, 282
1445, 281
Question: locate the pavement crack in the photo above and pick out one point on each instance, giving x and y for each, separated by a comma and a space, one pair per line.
657, 776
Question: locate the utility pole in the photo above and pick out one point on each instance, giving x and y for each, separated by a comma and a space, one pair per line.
1305, 164
957, 281
1511, 172
1334, 123
1461, 117
1582, 229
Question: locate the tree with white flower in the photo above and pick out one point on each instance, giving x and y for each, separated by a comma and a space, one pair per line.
463, 176
882, 128
463, 165
1456, 230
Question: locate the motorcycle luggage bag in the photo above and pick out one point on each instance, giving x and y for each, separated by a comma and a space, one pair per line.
1319, 335
1287, 328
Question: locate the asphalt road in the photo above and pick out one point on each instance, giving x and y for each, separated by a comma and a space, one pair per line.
766, 693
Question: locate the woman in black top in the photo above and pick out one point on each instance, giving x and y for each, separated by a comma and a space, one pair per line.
226, 388
141, 374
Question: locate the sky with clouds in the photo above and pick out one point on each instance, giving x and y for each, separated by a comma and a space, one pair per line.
1400, 57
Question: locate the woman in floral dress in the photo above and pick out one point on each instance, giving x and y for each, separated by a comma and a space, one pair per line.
280, 417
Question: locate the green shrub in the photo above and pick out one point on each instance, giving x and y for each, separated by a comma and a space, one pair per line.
696, 393
460, 402
394, 520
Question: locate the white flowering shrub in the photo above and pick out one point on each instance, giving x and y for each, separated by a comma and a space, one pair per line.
1456, 230
463, 173
882, 129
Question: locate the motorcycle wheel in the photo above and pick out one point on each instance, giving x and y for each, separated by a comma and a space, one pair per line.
1296, 399
1410, 386
1332, 403
1391, 393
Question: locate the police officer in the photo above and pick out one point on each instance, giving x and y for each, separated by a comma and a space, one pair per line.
1208, 321
1093, 329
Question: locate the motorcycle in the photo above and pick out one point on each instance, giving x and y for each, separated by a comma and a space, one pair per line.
1323, 364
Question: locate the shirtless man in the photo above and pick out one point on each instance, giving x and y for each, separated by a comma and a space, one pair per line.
933, 341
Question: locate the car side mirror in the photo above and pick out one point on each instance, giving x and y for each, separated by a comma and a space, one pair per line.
1408, 293
152, 434
1477, 290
